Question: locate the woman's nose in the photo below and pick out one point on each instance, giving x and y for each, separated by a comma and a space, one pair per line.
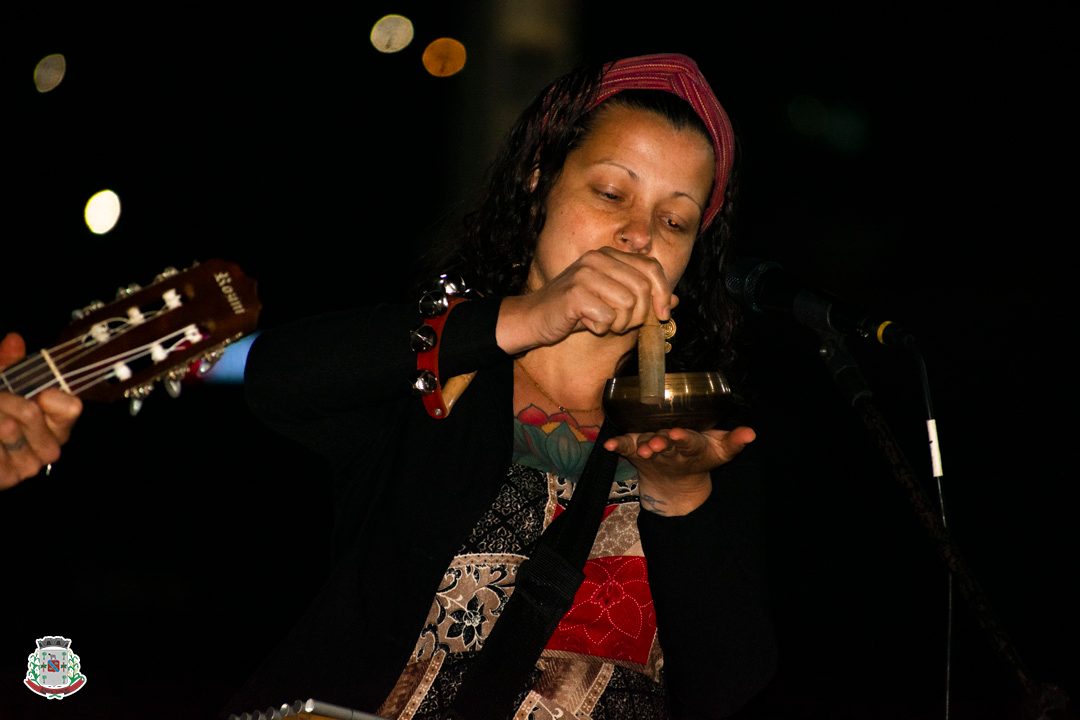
635, 235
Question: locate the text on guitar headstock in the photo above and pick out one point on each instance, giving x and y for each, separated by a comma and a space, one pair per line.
179, 323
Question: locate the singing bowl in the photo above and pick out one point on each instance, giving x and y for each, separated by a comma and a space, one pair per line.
693, 400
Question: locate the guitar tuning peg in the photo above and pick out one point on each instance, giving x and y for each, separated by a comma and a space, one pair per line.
136, 396
166, 273
84, 311
206, 364
127, 291
172, 386
173, 381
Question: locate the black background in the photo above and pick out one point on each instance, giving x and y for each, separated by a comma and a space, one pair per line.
174, 547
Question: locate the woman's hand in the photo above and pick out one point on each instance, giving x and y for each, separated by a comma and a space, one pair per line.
674, 465
31, 431
604, 291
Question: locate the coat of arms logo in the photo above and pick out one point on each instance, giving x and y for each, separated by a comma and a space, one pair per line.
53, 669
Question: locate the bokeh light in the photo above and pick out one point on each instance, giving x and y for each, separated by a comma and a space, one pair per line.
102, 211
444, 57
392, 33
49, 72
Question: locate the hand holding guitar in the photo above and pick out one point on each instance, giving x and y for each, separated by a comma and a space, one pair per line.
31, 430
179, 323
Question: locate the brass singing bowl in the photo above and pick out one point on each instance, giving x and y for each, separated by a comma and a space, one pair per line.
693, 400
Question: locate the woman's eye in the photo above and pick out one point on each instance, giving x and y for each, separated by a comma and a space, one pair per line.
675, 224
609, 194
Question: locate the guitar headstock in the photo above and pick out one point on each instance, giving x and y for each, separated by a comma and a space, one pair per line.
178, 324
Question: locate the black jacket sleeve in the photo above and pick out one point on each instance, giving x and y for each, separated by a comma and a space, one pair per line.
706, 574
327, 380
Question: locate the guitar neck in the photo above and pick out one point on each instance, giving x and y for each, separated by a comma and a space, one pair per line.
33, 374
182, 321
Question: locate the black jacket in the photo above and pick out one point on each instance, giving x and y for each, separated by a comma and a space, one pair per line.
408, 488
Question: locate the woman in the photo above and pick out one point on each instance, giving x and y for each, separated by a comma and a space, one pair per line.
606, 208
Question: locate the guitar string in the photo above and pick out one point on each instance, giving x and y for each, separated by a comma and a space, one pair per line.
32, 362
58, 356
105, 369
64, 359
24, 371
109, 363
63, 355
34, 370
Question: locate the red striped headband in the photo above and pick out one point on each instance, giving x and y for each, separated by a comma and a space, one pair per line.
678, 74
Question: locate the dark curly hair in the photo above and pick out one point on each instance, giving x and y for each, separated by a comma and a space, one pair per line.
498, 237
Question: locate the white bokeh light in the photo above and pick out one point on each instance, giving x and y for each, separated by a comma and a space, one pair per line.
392, 33
102, 211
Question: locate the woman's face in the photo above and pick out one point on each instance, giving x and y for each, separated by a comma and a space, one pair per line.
636, 184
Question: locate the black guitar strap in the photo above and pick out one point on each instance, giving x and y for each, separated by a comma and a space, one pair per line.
545, 588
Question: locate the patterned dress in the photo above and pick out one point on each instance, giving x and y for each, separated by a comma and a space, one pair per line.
603, 660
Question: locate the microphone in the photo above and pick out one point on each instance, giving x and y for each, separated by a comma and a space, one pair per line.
765, 286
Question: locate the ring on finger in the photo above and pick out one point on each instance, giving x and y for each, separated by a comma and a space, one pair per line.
14, 446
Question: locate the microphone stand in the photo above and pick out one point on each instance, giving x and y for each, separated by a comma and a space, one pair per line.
1043, 701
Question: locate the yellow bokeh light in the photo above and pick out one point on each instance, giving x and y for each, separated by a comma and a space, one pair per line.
49, 72
102, 211
392, 33
444, 57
